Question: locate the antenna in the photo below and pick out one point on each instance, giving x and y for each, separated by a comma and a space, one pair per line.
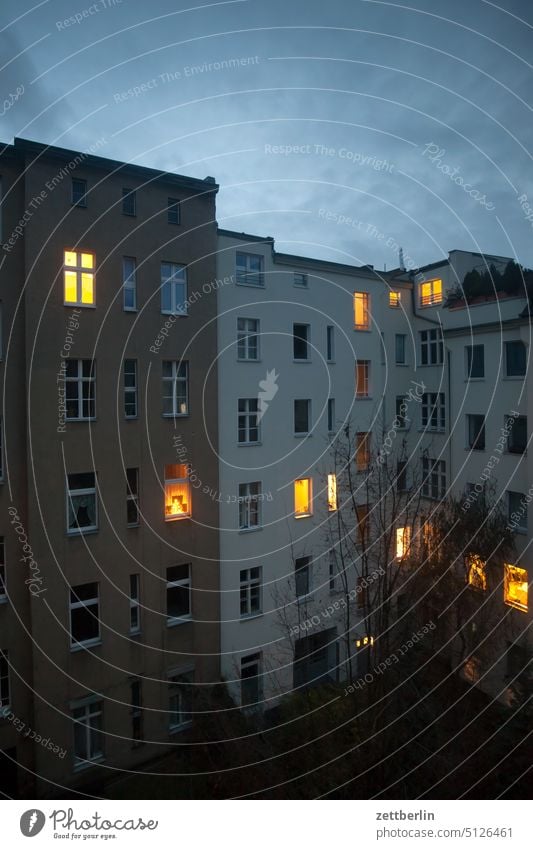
400, 258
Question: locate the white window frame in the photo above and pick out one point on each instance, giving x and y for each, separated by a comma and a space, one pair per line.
433, 407
129, 282
177, 681
88, 604
173, 211
135, 603
179, 582
366, 394
249, 501
244, 275
173, 517
431, 341
80, 381
178, 305
79, 269
300, 280
434, 478
434, 297
247, 421
250, 579
130, 390
89, 709
77, 492
179, 376
400, 338
245, 333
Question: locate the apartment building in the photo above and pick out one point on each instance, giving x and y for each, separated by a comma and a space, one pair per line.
306, 348
108, 529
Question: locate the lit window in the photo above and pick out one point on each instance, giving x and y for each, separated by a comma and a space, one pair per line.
248, 428
433, 410
132, 497
175, 388
363, 642
173, 211
177, 491
361, 310
394, 299
129, 282
249, 505
250, 591
180, 695
302, 576
249, 269
430, 293
3, 596
251, 681
300, 280
332, 492
130, 389
476, 574
362, 381
79, 192
80, 390
135, 604
82, 512
88, 733
5, 698
129, 202
431, 347
84, 615
79, 274
178, 593
301, 337
173, 288
515, 587
403, 542
362, 451
302, 497
248, 338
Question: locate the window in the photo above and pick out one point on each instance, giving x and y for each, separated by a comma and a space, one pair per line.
173, 211
302, 416
129, 282
362, 379
132, 497
135, 604
84, 615
88, 733
251, 688
361, 590
517, 439
475, 361
249, 269
433, 410
1, 450
515, 359
302, 498
330, 343
475, 425
178, 593
434, 478
332, 493
332, 571
173, 288
363, 523
248, 338
180, 696
517, 511
302, 576
475, 572
175, 388
300, 280
3, 596
250, 591
130, 389
136, 710
5, 697
80, 389
249, 505
301, 336
79, 192
403, 542
82, 508
400, 349
402, 419
79, 278
431, 347
401, 476
129, 202
430, 293
394, 299
515, 587
361, 310
177, 491
249, 431
331, 415
362, 451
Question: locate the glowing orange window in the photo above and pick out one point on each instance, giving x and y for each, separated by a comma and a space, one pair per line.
79, 278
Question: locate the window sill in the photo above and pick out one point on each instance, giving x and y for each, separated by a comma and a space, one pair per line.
474, 448
248, 360
174, 623
177, 518
130, 309
3, 599
522, 531
301, 361
80, 767
175, 314
131, 418
250, 530
135, 633
331, 362
81, 532
88, 644
517, 453
248, 616
80, 420
248, 444
175, 415
474, 379
250, 285
362, 329
302, 515
75, 304
133, 525
175, 729
514, 377
302, 435
363, 397
402, 365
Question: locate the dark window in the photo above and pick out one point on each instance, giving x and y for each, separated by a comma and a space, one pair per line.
132, 496
331, 415
431, 347
301, 416
84, 614
130, 389
249, 269
129, 202
400, 349
515, 359
173, 211
330, 342
79, 192
251, 680
476, 432
300, 280
300, 334
475, 361
433, 410
178, 592
401, 411
302, 576
517, 439
401, 476
136, 711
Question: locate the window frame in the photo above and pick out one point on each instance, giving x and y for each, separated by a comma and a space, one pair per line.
183, 480
250, 661
302, 275
127, 196
431, 342
333, 504
250, 585
244, 275
330, 343
179, 684
363, 442
400, 358
470, 359
173, 211
248, 422
244, 335
88, 605
132, 495
82, 200
79, 270
305, 568
135, 603
433, 412
249, 503
171, 584
516, 375
303, 340
81, 381
130, 390
307, 402
82, 491
475, 439
175, 379
435, 295
361, 303
395, 300
434, 478
510, 445
5, 682
510, 568
177, 307
331, 415
129, 283
90, 709
365, 392
303, 514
